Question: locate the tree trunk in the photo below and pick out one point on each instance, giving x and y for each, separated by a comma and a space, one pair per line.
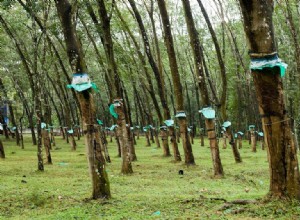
5, 129
62, 131
131, 149
132, 154
27, 70
14, 124
103, 144
21, 131
39, 131
73, 142
126, 158
67, 135
191, 135
96, 162
232, 142
220, 61
283, 162
253, 140
52, 137
47, 145
198, 60
2, 153
37, 91
224, 141
148, 143
164, 139
156, 139
116, 90
178, 90
156, 71
240, 140
178, 135
201, 137
262, 144
118, 143
295, 37
151, 136
215, 154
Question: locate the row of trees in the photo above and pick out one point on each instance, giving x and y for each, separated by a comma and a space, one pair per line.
142, 58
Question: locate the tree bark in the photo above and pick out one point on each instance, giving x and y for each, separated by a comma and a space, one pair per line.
210, 123
28, 71
240, 141
232, 142
178, 90
37, 92
2, 153
155, 69
253, 140
47, 145
116, 90
11, 111
220, 61
295, 37
283, 162
224, 140
215, 153
96, 161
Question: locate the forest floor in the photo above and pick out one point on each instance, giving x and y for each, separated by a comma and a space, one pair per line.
154, 191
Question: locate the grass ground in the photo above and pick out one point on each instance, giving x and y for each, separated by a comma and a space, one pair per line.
154, 191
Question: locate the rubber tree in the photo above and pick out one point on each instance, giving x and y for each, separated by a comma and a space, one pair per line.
37, 93
2, 153
160, 86
283, 162
222, 102
116, 91
142, 58
96, 161
178, 90
12, 112
198, 62
22, 51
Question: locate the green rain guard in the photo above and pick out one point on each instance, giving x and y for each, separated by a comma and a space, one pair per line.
271, 62
261, 134
146, 128
226, 124
251, 127
240, 133
112, 111
208, 113
112, 128
43, 125
180, 114
163, 128
169, 122
99, 122
82, 87
81, 82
